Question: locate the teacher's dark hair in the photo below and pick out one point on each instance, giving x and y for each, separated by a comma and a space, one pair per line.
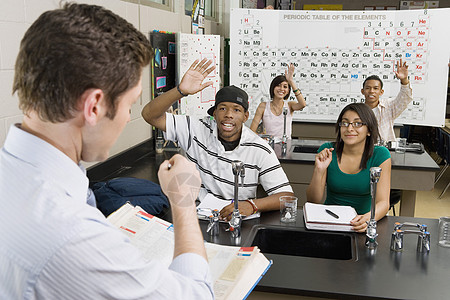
69, 50
276, 81
367, 116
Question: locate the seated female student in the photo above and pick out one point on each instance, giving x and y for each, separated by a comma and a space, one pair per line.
271, 112
344, 166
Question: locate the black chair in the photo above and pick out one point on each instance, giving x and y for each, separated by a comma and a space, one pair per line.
442, 151
446, 156
394, 198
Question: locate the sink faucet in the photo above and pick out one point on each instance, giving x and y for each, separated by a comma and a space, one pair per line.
213, 226
284, 138
371, 235
236, 218
423, 236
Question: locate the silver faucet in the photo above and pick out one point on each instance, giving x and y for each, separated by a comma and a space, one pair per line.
236, 218
371, 235
213, 226
284, 138
421, 227
423, 236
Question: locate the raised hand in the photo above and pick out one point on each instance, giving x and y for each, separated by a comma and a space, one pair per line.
192, 81
289, 74
402, 72
323, 158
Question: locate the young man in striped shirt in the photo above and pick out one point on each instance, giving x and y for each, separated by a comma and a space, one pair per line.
213, 144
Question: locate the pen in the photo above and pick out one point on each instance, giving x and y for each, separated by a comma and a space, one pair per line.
332, 213
169, 165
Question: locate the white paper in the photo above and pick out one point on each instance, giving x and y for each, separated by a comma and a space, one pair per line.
316, 213
209, 203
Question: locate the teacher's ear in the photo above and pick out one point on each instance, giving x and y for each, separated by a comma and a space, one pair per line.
93, 106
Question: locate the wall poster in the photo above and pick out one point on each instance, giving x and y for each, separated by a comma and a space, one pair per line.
334, 51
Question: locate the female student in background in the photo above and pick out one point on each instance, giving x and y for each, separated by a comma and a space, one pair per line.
344, 166
271, 112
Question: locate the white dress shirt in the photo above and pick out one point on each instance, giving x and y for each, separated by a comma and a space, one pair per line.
53, 245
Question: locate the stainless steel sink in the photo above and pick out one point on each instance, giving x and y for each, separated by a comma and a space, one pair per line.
306, 148
297, 241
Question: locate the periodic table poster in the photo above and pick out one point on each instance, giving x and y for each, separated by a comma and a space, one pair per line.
334, 51
189, 48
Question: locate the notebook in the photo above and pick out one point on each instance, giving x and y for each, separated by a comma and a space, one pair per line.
317, 217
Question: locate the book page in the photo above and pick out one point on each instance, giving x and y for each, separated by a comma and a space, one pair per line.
123, 212
154, 237
233, 274
252, 274
219, 257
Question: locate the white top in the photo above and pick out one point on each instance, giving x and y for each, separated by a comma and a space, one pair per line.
199, 139
274, 125
55, 246
388, 110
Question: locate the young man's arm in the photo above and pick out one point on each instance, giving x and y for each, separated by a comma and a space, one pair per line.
154, 112
402, 72
404, 97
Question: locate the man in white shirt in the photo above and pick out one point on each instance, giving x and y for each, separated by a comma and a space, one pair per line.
387, 110
213, 144
77, 75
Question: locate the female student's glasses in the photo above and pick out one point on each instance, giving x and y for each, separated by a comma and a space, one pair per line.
354, 124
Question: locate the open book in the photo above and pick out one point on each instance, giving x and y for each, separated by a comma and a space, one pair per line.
328, 217
210, 202
235, 271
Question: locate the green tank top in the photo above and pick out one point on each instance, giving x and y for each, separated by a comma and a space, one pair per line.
352, 189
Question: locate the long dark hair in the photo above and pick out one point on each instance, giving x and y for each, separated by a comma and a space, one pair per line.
367, 116
276, 81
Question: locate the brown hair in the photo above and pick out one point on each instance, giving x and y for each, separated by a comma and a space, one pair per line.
69, 50
367, 116
275, 82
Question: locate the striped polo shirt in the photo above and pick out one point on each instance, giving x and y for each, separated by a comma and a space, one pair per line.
199, 140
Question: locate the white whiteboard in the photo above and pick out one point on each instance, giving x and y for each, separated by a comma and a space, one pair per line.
189, 48
334, 51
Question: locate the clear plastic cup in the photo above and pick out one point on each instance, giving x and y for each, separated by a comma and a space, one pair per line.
444, 232
400, 150
288, 209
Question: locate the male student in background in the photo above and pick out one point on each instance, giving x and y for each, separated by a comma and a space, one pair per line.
213, 145
77, 75
387, 110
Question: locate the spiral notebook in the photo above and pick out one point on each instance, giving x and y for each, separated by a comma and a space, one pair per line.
337, 218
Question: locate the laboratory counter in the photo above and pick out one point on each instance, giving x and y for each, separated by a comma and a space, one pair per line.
379, 274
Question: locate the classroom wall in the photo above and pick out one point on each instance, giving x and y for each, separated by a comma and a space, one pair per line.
15, 18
